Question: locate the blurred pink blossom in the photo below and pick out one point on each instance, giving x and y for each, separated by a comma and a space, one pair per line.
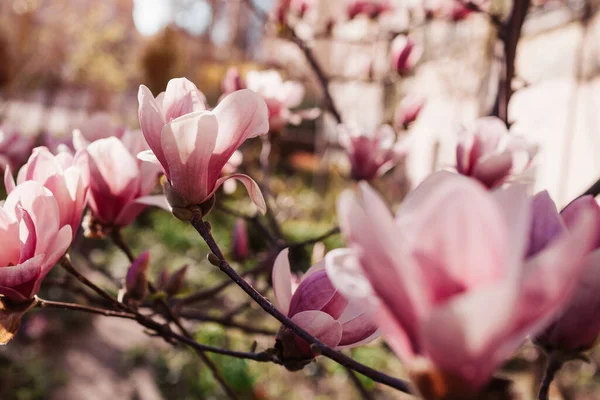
64, 175
120, 184
447, 274
578, 326
100, 125
372, 155
408, 111
193, 145
490, 154
319, 309
404, 54
239, 241
32, 240
14, 147
370, 8
232, 81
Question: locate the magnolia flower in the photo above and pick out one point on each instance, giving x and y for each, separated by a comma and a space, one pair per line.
578, 326
490, 154
370, 8
14, 147
120, 184
32, 240
99, 125
62, 175
408, 111
280, 96
455, 297
404, 54
232, 81
192, 145
371, 156
316, 306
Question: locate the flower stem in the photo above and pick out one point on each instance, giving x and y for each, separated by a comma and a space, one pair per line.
553, 365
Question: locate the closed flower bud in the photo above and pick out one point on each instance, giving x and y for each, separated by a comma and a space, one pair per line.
318, 308
404, 54
240, 245
175, 282
136, 281
408, 111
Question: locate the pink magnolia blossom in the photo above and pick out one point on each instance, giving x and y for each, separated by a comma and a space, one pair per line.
120, 184
32, 240
193, 145
490, 154
280, 96
233, 81
14, 147
372, 155
578, 326
408, 111
455, 297
62, 174
404, 54
99, 125
370, 8
318, 308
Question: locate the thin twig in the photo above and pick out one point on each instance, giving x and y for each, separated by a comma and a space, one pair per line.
117, 238
310, 57
210, 293
42, 303
266, 305
358, 384
199, 316
331, 232
65, 262
253, 219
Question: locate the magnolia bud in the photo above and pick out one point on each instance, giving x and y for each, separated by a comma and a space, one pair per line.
404, 54
175, 282
240, 245
136, 281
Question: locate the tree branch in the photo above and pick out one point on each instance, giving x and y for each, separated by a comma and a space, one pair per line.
266, 305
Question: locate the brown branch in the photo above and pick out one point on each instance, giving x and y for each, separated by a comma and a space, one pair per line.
509, 34
117, 238
331, 232
358, 384
210, 293
310, 57
266, 305
79, 307
200, 316
553, 365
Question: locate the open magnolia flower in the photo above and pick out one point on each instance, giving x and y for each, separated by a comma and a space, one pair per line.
193, 145
63, 175
455, 297
279, 95
120, 184
408, 111
577, 327
372, 155
32, 240
490, 154
315, 305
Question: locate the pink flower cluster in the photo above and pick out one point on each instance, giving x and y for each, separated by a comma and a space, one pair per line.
460, 276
